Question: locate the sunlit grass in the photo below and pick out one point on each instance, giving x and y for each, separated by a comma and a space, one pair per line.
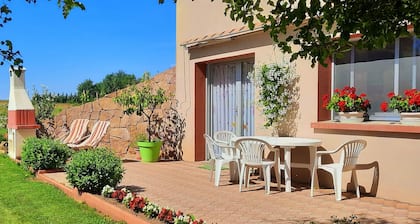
24, 200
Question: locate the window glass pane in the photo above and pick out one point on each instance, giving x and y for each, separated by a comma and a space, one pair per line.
342, 71
406, 64
374, 74
417, 60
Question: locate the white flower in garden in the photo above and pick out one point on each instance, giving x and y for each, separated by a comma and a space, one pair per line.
278, 91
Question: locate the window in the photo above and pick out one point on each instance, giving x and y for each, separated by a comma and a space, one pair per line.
380, 71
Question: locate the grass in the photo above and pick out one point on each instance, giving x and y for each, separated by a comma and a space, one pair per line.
206, 166
23, 200
60, 107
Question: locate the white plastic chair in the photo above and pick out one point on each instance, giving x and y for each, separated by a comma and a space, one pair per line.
348, 160
224, 137
219, 155
252, 156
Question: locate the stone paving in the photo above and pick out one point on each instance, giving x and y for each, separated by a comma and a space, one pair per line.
186, 187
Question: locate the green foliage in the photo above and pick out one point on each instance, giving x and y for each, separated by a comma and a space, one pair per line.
43, 153
143, 102
44, 104
318, 23
116, 81
3, 115
409, 102
23, 200
87, 91
346, 100
91, 170
277, 90
3, 132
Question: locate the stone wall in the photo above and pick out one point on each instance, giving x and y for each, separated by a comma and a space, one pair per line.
123, 129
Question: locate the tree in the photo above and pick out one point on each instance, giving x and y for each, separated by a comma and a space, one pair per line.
317, 24
87, 91
115, 81
44, 104
7, 51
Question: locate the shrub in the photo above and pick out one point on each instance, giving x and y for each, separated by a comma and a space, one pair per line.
44, 153
91, 170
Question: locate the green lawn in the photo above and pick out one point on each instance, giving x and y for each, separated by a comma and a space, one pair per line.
24, 200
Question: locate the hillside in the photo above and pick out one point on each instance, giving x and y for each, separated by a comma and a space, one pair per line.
123, 129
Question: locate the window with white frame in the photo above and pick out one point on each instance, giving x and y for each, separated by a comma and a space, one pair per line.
380, 71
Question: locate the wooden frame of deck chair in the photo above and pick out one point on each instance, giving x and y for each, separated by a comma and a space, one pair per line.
77, 133
99, 130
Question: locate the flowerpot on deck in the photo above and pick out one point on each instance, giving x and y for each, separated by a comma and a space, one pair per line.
149, 151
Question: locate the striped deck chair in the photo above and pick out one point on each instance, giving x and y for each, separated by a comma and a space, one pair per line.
78, 131
98, 132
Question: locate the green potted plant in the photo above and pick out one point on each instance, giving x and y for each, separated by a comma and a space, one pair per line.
350, 106
144, 101
408, 105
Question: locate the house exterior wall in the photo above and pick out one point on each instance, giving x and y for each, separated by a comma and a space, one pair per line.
395, 154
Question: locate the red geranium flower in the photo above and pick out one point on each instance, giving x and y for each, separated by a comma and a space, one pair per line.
409, 102
384, 106
346, 100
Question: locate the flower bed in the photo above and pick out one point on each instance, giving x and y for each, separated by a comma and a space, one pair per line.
139, 204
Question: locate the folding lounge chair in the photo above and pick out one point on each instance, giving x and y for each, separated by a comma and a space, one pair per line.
78, 131
98, 132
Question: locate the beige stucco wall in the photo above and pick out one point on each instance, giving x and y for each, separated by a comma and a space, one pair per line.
397, 154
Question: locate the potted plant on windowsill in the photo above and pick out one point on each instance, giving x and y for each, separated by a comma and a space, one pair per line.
350, 106
408, 106
144, 102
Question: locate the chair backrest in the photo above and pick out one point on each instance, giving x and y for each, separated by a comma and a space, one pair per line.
252, 149
78, 129
224, 137
350, 153
211, 147
98, 132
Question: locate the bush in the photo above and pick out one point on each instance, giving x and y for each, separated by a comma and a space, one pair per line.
3, 133
44, 153
91, 170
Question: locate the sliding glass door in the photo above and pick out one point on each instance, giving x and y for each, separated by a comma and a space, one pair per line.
230, 98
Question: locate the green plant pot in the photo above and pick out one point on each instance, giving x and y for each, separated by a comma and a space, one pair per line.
149, 151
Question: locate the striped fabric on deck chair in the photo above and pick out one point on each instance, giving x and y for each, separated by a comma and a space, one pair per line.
98, 132
77, 133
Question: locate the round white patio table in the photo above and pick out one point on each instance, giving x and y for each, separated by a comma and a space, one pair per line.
289, 143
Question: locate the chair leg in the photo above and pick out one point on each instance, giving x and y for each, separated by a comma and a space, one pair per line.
239, 168
278, 178
312, 182
247, 177
218, 170
241, 176
267, 179
211, 168
356, 183
337, 184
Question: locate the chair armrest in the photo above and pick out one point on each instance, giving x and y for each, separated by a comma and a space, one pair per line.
228, 150
319, 154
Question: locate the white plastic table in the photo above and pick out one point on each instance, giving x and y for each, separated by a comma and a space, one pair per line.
289, 143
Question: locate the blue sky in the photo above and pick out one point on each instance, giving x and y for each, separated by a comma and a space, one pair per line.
130, 35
